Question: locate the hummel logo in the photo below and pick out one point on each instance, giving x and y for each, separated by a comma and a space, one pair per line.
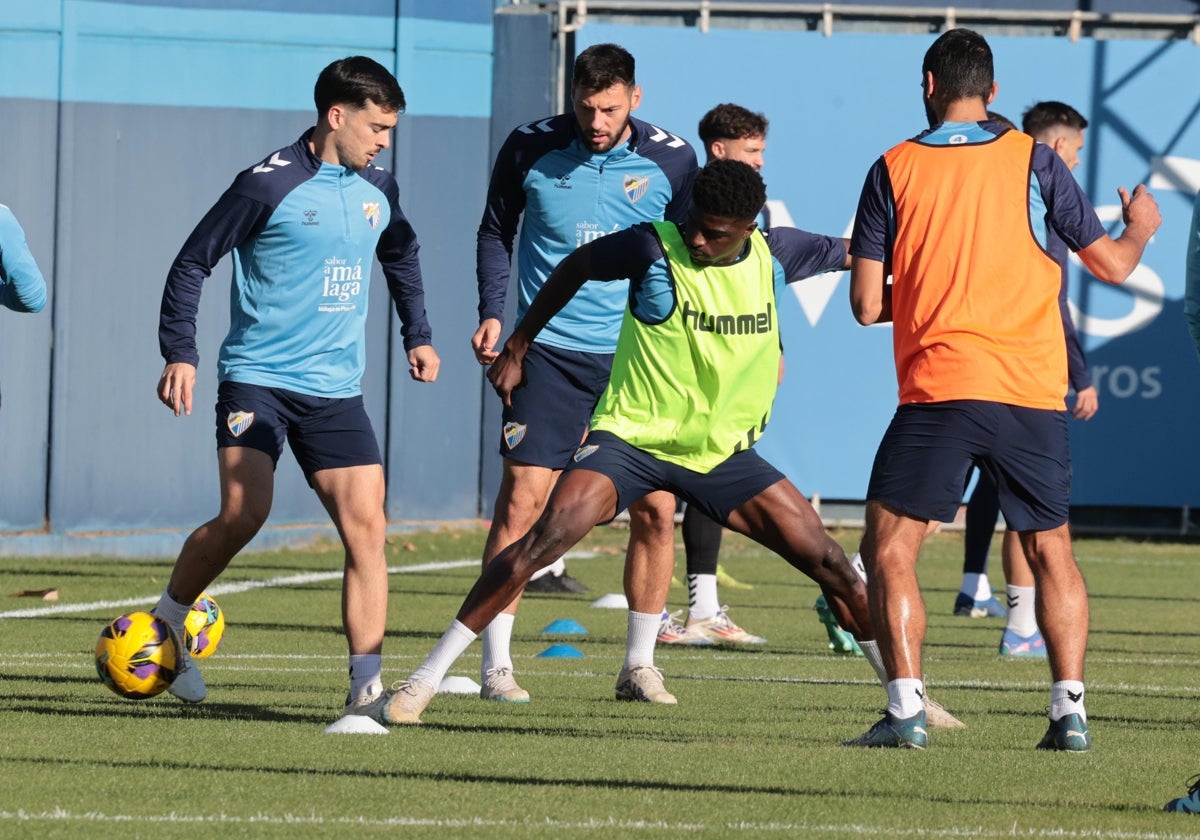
1073, 697
543, 126
920, 694
275, 161
1013, 600
659, 135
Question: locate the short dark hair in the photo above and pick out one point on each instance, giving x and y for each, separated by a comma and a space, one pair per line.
961, 63
354, 81
1043, 116
729, 189
601, 66
731, 122
1000, 119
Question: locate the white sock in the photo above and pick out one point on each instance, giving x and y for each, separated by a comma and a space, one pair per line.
1066, 698
454, 641
906, 697
557, 568
1022, 618
871, 654
702, 597
860, 567
497, 644
365, 675
641, 635
976, 585
172, 612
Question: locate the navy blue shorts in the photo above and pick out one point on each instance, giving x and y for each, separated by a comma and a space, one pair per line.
323, 432
635, 472
926, 455
551, 410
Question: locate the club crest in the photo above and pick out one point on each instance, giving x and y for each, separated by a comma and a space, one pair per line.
372, 212
584, 451
239, 421
514, 433
635, 187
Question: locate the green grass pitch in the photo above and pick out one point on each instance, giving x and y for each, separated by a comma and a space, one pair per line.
751, 750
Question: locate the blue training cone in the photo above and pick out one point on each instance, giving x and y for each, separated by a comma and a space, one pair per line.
565, 626
561, 651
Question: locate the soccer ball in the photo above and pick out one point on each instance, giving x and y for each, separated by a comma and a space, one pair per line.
203, 627
136, 654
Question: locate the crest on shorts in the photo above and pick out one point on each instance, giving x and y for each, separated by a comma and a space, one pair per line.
239, 421
635, 187
371, 211
514, 433
584, 451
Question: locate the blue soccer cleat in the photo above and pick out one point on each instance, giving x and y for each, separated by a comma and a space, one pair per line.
1025, 647
1189, 804
964, 604
903, 733
1067, 734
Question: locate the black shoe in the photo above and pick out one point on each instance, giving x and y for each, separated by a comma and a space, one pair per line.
556, 584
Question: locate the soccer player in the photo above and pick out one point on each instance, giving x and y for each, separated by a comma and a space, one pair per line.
303, 225
959, 214
1190, 804
566, 181
728, 132
693, 379
1061, 128
22, 287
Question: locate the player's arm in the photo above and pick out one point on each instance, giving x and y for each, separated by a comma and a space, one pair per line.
870, 249
398, 253
870, 292
506, 372
230, 221
1112, 260
620, 255
22, 286
1073, 218
494, 246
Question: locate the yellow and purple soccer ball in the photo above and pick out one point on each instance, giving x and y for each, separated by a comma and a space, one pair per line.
136, 655
203, 627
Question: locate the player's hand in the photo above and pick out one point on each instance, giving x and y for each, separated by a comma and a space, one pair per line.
484, 341
1087, 403
176, 385
423, 363
1140, 208
507, 374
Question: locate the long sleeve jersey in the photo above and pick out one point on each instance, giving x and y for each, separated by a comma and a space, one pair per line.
22, 287
303, 233
568, 197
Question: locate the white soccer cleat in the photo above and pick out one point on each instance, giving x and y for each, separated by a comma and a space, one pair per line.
188, 685
936, 716
671, 632
720, 630
406, 700
499, 684
643, 684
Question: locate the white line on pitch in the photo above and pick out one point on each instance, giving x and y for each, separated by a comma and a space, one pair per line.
247, 585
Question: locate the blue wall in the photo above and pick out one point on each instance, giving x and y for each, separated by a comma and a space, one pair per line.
135, 115
155, 109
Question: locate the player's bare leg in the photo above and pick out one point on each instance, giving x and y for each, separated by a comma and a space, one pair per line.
781, 519
354, 498
247, 478
524, 489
